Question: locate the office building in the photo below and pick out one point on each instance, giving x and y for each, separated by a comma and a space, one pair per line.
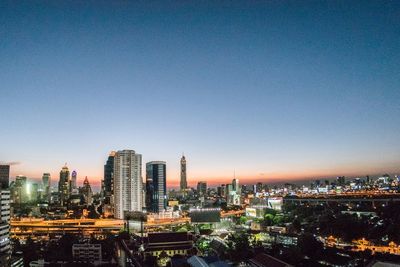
19, 190
128, 183
156, 186
64, 185
86, 191
74, 175
108, 178
183, 173
4, 176
46, 181
5, 247
202, 188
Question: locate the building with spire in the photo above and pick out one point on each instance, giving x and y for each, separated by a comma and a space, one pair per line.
183, 184
64, 185
86, 191
128, 183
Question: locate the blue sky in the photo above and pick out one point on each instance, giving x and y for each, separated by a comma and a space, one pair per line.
272, 89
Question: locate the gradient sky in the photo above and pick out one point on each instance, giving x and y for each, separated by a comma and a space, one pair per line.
272, 89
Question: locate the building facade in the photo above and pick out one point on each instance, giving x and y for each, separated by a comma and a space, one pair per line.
5, 247
74, 175
156, 186
128, 185
64, 185
108, 178
46, 181
4, 176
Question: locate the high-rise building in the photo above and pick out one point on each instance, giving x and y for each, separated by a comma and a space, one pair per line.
86, 191
64, 185
202, 188
46, 180
5, 248
128, 184
74, 175
156, 186
108, 178
4, 176
19, 190
183, 173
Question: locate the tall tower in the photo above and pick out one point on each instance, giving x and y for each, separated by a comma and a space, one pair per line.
156, 186
73, 180
4, 176
108, 178
183, 173
128, 182
64, 185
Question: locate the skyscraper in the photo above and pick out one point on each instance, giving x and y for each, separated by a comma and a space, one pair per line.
183, 173
46, 180
64, 185
4, 227
156, 186
4, 176
86, 191
128, 182
108, 178
73, 180
202, 188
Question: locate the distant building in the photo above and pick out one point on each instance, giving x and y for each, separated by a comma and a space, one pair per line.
86, 252
4, 176
183, 183
128, 185
64, 185
46, 180
19, 190
86, 191
156, 186
202, 188
73, 180
5, 248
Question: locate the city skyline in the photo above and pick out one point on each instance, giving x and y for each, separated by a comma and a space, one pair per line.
275, 90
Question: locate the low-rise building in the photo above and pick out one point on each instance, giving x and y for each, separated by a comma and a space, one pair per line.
86, 252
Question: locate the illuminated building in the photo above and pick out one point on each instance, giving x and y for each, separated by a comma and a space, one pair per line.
156, 186
4, 176
86, 191
128, 185
19, 190
73, 180
183, 174
64, 185
169, 244
4, 227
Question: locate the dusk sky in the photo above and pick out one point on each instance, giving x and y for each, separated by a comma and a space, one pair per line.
271, 89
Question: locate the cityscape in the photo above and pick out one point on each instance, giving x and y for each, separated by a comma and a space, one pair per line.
200, 133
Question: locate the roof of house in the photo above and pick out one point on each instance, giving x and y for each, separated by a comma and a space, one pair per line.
264, 260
